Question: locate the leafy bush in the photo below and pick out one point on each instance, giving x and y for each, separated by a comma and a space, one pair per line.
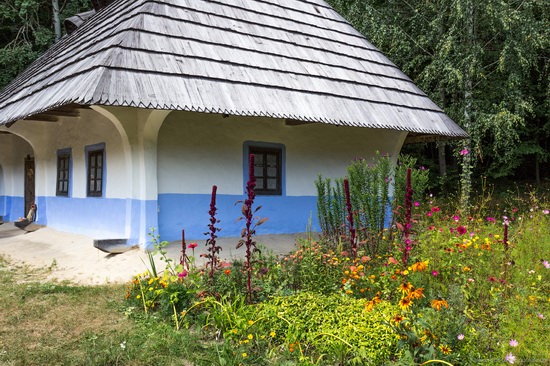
371, 186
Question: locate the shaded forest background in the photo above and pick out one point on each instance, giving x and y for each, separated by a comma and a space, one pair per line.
486, 63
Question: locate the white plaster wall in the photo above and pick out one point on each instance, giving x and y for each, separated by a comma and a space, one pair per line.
77, 133
13, 150
197, 150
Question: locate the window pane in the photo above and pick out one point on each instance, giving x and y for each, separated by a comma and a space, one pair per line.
258, 171
271, 183
259, 183
271, 159
271, 171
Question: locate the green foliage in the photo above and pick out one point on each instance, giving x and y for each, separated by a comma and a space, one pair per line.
370, 189
331, 207
485, 63
26, 31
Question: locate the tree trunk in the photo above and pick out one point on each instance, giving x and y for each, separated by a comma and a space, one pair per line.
466, 176
56, 20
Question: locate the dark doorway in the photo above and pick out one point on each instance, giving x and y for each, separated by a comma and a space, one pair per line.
29, 183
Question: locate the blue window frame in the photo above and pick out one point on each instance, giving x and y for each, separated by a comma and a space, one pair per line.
269, 169
63, 181
95, 168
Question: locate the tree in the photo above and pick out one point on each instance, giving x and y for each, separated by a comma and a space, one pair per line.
27, 30
485, 62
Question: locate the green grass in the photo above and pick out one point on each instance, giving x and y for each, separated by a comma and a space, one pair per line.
51, 323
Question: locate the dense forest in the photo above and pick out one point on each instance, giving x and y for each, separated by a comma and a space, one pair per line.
486, 63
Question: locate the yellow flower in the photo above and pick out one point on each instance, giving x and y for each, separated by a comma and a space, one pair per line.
445, 349
439, 303
405, 287
369, 305
250, 322
397, 319
244, 355
405, 303
272, 334
250, 336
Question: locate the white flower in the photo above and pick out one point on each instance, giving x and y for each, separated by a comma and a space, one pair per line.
123, 345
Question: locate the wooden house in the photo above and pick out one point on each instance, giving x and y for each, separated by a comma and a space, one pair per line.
126, 123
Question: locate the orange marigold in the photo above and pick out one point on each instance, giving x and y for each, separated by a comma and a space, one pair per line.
419, 266
437, 304
417, 293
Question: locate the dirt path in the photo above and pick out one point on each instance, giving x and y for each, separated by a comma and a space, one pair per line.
73, 257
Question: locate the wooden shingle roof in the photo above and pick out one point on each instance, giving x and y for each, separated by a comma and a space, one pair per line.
294, 59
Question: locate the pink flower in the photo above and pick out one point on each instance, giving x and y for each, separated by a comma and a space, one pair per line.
546, 212
510, 358
417, 203
513, 343
491, 219
546, 264
541, 316
435, 273
464, 152
429, 214
460, 337
456, 218
192, 245
182, 274
461, 230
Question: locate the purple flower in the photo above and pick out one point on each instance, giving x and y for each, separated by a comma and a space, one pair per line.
546, 212
460, 337
546, 264
513, 343
541, 316
510, 358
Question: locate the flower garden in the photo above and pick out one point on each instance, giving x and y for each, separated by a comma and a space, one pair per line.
435, 284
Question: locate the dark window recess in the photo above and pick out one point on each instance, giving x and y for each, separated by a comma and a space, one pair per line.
95, 173
267, 170
62, 187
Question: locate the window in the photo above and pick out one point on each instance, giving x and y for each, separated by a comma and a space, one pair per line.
63, 172
96, 163
267, 169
